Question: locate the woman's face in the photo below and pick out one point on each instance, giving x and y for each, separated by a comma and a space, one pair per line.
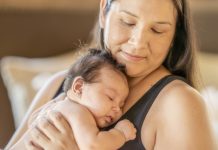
139, 33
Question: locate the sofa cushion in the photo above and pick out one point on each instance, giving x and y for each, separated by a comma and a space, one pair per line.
23, 77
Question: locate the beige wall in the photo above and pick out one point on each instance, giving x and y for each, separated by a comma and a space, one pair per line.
49, 4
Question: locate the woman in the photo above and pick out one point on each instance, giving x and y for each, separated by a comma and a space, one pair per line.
154, 40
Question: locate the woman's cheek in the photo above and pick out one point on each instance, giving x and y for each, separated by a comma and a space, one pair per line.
160, 44
118, 36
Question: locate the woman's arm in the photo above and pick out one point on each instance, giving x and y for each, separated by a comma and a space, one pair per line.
45, 94
182, 121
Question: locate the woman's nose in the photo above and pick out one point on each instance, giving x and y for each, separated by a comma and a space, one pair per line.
139, 39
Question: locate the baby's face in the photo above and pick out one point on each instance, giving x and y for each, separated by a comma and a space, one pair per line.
106, 98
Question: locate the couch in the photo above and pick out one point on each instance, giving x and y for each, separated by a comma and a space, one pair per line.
42, 40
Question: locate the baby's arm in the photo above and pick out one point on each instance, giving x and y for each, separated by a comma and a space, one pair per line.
87, 134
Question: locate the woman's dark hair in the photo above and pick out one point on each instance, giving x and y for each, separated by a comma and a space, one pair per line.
180, 59
89, 65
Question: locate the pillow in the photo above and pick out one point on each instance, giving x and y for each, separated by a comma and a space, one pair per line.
23, 77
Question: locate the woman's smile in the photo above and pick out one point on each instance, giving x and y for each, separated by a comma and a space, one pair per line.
131, 57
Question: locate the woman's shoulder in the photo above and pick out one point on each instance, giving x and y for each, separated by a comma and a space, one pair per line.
59, 75
178, 95
47, 92
182, 112
56, 79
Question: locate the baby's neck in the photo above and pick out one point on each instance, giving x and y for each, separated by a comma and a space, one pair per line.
73, 99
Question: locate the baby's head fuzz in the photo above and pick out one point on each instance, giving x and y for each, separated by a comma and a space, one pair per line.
88, 67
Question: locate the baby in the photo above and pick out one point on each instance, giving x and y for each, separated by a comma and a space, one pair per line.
96, 88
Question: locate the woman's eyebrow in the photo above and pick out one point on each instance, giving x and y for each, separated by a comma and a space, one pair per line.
129, 13
164, 22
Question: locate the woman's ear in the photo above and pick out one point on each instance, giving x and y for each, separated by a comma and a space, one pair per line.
102, 13
76, 87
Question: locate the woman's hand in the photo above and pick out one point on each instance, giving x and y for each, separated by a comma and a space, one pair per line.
43, 110
51, 133
50, 130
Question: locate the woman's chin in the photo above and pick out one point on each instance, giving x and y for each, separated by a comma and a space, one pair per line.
133, 73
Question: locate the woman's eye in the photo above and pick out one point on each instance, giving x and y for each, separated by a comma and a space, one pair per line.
127, 23
156, 31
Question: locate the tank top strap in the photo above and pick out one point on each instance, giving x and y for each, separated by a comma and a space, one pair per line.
137, 113
144, 103
150, 96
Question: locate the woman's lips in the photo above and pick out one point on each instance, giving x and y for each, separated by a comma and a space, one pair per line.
130, 57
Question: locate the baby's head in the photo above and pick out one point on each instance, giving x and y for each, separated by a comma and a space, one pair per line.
98, 82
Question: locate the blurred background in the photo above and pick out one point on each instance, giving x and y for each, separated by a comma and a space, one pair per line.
39, 37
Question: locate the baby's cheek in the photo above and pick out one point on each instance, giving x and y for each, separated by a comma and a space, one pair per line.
119, 115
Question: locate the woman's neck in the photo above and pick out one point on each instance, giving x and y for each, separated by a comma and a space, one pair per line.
150, 79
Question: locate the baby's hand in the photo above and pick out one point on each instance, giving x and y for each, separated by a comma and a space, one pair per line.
127, 128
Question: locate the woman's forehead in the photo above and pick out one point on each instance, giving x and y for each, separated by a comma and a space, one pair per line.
161, 10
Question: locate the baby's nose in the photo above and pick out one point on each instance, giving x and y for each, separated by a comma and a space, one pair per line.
116, 109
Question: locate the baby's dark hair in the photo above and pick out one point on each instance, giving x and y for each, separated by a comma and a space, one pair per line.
88, 67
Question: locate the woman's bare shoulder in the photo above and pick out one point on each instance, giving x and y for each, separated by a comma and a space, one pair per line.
181, 100
52, 84
47, 92
180, 94
183, 118
59, 76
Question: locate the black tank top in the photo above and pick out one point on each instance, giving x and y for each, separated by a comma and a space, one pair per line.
137, 113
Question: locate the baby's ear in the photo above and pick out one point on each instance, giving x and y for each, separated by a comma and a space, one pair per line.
76, 87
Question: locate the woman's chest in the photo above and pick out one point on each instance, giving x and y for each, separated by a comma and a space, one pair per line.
138, 112
143, 109
134, 96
